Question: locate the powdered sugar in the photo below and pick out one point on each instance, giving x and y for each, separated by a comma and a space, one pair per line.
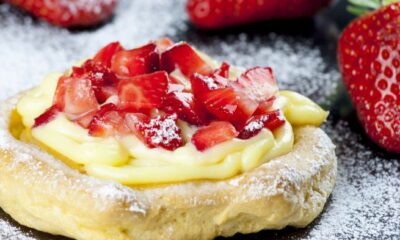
365, 203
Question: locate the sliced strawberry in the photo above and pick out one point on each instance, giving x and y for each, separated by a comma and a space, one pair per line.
143, 92
257, 83
75, 96
108, 121
271, 120
85, 120
213, 134
264, 107
46, 117
185, 106
135, 123
105, 54
223, 70
163, 44
203, 84
228, 105
103, 80
161, 131
184, 57
130, 63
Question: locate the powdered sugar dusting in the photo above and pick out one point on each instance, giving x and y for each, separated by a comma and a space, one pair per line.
365, 203
366, 200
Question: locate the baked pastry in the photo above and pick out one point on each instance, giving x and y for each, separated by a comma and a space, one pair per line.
161, 142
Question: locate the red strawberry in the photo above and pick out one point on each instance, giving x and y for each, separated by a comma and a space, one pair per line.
163, 44
369, 57
105, 54
235, 101
257, 83
184, 57
161, 131
213, 134
271, 120
46, 117
228, 105
223, 70
212, 14
203, 84
75, 96
71, 13
186, 107
143, 92
108, 121
142, 60
104, 82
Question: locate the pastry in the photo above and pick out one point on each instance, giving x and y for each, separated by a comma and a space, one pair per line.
162, 142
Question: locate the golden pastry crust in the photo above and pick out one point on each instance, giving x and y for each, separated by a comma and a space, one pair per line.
41, 192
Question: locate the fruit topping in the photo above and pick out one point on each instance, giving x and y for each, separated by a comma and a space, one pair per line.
257, 83
184, 57
163, 44
130, 63
121, 92
228, 105
103, 80
46, 117
223, 70
106, 54
213, 134
186, 107
75, 96
271, 121
143, 92
160, 131
108, 121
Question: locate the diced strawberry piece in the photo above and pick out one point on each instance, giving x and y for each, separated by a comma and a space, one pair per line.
258, 84
223, 70
271, 120
213, 134
108, 121
264, 107
184, 57
105, 54
163, 44
203, 84
85, 120
46, 117
161, 131
143, 92
75, 96
104, 81
228, 105
130, 63
185, 106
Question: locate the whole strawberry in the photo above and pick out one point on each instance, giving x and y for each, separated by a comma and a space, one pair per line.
369, 59
213, 14
69, 13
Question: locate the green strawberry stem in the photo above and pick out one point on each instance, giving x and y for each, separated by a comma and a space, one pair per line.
360, 7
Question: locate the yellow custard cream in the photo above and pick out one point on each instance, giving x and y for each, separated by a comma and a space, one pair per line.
129, 161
